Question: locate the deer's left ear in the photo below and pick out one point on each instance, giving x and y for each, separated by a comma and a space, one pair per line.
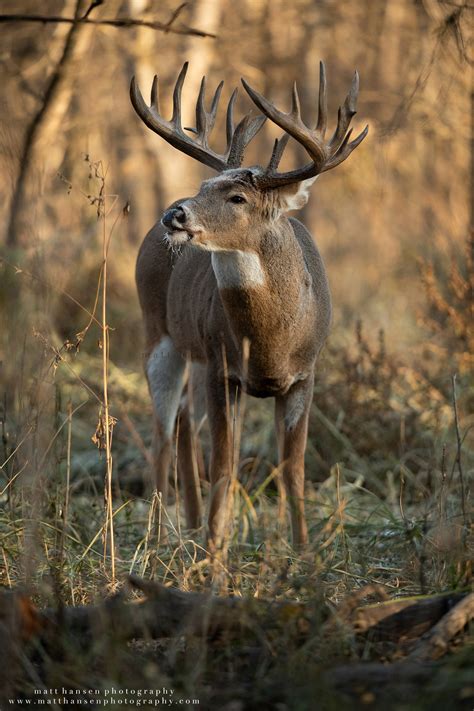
294, 197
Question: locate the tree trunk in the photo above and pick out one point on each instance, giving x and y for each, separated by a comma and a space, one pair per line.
45, 126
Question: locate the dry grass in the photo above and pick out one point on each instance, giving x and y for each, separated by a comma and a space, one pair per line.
391, 447
384, 495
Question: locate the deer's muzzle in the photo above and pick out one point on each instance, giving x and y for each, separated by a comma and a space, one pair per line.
174, 218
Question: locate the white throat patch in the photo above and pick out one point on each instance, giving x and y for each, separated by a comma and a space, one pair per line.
237, 270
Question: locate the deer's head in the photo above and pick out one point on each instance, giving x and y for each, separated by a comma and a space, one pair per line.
234, 209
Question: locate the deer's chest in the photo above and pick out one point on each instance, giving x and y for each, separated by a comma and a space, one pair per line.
216, 304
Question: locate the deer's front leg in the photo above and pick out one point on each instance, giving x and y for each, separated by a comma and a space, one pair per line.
220, 402
291, 419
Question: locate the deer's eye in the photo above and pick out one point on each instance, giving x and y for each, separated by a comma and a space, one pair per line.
237, 199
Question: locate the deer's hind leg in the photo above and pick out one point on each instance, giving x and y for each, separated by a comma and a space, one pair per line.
166, 373
190, 460
291, 415
188, 469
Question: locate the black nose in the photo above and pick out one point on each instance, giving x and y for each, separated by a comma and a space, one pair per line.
176, 214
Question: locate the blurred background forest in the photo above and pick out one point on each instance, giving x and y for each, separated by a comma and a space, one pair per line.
391, 441
392, 223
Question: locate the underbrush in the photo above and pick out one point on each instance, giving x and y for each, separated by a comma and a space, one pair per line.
389, 473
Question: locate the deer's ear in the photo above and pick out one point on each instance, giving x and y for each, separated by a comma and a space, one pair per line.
294, 197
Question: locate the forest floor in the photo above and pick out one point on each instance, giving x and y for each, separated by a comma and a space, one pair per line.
92, 602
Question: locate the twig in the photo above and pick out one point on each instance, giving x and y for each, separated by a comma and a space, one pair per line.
51, 285
401, 112
92, 6
136, 437
12, 454
65, 508
118, 22
105, 374
402, 489
459, 451
174, 16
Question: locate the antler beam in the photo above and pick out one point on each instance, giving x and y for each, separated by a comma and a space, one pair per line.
172, 131
324, 156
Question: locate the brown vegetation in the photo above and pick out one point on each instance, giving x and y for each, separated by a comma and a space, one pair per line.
389, 459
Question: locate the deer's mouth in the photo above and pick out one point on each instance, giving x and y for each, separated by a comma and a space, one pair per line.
179, 236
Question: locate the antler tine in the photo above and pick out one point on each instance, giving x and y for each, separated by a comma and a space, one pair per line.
345, 149
176, 118
279, 117
345, 114
200, 111
247, 128
277, 153
295, 103
171, 131
230, 128
322, 101
155, 96
205, 121
215, 104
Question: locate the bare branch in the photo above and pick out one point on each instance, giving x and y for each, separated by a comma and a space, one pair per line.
459, 451
92, 6
118, 22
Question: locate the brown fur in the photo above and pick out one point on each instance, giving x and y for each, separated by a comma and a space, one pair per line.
286, 320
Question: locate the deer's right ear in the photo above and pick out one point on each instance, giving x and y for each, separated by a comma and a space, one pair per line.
294, 197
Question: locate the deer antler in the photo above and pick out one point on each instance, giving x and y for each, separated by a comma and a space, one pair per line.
237, 137
324, 155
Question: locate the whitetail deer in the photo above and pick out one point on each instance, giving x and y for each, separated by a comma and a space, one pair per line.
227, 267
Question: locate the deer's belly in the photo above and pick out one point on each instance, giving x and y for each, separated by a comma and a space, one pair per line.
261, 385
267, 387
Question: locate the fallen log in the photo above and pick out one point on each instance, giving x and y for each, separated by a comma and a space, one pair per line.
418, 666
169, 612
436, 642
406, 617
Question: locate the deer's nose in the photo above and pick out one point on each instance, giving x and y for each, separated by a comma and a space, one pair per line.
173, 216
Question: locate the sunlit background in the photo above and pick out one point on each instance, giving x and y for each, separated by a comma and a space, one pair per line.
389, 460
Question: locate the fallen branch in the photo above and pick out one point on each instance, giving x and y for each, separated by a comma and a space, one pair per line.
436, 642
169, 612
408, 617
419, 665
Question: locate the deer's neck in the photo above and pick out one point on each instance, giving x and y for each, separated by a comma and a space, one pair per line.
266, 293
237, 269
276, 266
